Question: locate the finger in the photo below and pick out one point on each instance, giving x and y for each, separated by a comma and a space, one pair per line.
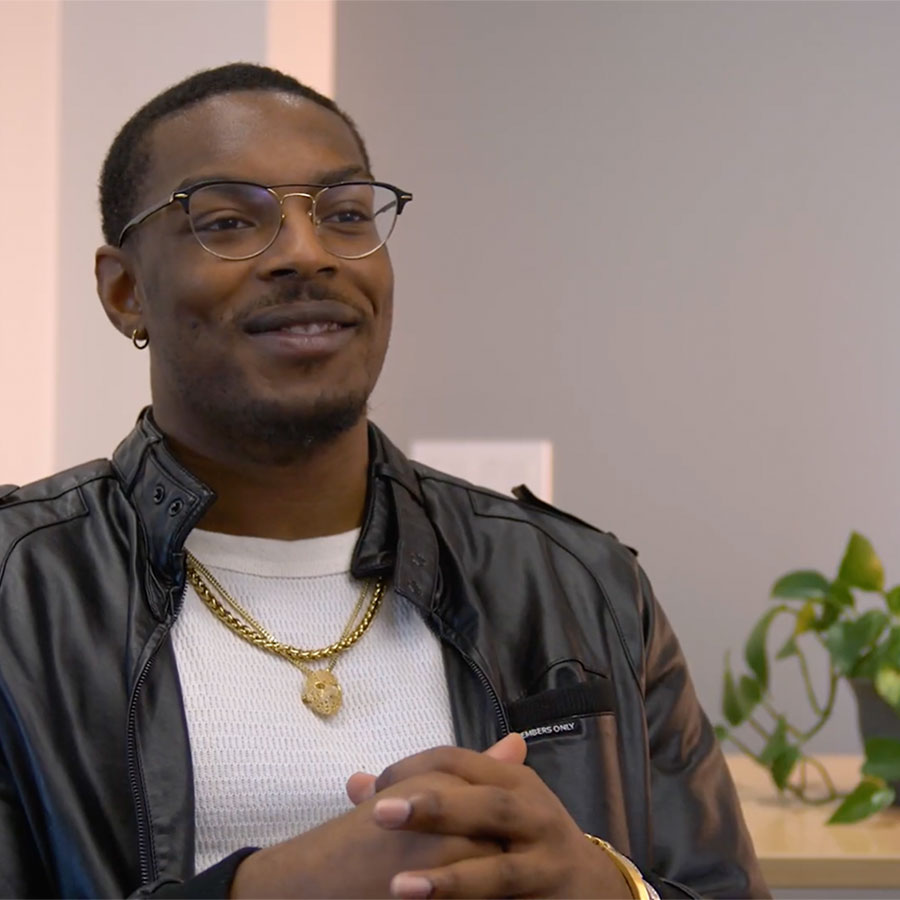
474, 811
360, 786
476, 768
511, 749
503, 875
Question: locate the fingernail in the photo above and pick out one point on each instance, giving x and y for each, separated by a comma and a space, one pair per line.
410, 887
392, 811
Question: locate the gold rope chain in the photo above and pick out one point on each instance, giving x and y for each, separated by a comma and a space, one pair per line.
255, 634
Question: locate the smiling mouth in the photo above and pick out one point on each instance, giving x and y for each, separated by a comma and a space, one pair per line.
304, 341
312, 328
309, 318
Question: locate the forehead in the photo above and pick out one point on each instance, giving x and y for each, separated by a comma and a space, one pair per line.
263, 136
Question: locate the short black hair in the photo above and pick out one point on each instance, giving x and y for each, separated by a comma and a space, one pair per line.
128, 160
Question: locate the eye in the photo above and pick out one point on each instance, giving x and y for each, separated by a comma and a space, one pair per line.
345, 215
223, 220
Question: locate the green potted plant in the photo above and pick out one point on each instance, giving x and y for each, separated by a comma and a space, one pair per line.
856, 621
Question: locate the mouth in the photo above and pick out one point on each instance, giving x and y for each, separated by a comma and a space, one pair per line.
312, 328
305, 317
304, 331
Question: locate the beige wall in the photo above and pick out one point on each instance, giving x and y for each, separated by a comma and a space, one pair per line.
300, 36
29, 186
70, 75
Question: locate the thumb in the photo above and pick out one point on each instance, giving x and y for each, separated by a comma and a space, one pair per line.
511, 749
360, 786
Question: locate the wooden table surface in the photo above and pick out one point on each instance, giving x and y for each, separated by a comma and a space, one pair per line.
795, 846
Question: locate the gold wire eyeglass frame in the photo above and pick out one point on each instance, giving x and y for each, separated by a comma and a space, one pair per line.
183, 197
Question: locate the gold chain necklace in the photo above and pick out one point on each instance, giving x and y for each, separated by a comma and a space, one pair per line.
321, 692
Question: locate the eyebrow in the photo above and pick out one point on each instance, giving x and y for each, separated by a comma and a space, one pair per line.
331, 177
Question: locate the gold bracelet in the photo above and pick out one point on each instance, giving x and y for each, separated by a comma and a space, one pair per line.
628, 869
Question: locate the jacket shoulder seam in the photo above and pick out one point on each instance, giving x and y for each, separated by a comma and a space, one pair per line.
75, 486
539, 507
62, 520
632, 663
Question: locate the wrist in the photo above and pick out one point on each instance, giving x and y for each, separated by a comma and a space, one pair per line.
247, 879
629, 872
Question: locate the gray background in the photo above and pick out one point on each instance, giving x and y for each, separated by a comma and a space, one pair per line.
115, 57
662, 235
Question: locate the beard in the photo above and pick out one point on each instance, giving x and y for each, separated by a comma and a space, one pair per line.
269, 431
261, 426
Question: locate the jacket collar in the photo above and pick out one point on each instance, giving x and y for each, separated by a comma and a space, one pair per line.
169, 502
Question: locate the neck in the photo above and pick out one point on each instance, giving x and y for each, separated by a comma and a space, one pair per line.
323, 493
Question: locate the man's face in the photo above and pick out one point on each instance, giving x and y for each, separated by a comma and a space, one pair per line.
278, 352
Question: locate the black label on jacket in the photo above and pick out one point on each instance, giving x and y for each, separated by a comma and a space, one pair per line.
563, 728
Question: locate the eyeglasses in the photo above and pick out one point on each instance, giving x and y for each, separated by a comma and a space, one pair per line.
239, 219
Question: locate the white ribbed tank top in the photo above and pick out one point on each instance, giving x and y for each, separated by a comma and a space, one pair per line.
265, 767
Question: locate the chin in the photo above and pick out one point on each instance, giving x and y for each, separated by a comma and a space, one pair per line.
278, 431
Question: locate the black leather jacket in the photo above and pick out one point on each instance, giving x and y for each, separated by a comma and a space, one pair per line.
548, 626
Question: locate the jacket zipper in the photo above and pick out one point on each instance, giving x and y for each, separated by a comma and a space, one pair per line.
137, 792
499, 712
140, 805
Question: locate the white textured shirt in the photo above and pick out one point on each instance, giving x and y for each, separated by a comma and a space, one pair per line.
265, 767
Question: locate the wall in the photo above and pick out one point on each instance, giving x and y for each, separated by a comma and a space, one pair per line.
29, 185
664, 237
115, 57
660, 235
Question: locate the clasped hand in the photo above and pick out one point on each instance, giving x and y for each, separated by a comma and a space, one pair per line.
446, 822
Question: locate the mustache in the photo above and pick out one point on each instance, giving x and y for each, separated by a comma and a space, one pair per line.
294, 293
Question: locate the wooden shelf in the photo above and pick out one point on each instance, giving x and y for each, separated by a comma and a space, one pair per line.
797, 849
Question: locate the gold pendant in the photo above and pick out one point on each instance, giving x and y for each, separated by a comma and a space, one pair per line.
322, 693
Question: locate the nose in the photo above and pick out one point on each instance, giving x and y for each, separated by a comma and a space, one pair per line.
297, 249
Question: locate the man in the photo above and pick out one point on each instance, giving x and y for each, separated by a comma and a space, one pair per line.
259, 599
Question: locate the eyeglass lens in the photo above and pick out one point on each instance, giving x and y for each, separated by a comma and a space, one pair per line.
236, 221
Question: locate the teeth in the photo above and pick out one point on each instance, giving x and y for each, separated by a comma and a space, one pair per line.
313, 328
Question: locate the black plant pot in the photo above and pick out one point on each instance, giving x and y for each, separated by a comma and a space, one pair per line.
876, 718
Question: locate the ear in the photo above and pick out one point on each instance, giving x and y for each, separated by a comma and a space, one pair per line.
118, 290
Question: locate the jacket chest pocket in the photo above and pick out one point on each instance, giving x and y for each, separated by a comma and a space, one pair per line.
573, 745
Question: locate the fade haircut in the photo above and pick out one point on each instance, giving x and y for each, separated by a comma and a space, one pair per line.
128, 160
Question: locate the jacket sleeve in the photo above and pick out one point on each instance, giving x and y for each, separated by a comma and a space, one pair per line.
22, 873
690, 782
213, 883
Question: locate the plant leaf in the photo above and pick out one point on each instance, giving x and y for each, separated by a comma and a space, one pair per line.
868, 665
755, 648
840, 594
882, 758
892, 598
839, 598
868, 797
803, 584
721, 733
887, 683
847, 640
777, 743
805, 618
788, 648
830, 614
750, 692
732, 708
860, 566
783, 765
890, 647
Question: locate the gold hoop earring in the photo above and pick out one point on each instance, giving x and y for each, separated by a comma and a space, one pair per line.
140, 338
